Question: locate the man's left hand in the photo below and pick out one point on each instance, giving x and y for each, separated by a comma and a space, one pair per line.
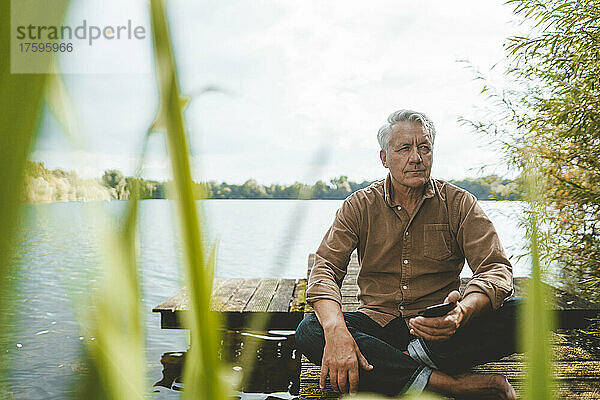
439, 328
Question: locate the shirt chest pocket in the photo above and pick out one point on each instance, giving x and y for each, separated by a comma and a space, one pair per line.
437, 241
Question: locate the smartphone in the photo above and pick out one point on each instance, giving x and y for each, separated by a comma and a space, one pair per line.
438, 310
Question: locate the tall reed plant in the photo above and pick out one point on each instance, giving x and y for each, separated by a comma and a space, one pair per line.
116, 357
203, 377
21, 104
537, 319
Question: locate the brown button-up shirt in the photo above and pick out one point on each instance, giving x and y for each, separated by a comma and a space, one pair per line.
409, 262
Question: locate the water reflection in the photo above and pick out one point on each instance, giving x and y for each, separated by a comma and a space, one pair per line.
276, 363
172, 363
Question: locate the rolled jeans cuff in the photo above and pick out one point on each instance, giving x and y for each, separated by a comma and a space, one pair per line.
418, 352
420, 380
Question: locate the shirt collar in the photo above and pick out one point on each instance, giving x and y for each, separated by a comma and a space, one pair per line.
387, 191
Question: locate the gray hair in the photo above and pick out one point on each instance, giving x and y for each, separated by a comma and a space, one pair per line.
385, 132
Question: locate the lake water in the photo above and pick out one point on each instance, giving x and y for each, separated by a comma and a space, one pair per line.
59, 260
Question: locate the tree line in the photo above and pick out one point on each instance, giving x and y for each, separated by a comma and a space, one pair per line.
45, 185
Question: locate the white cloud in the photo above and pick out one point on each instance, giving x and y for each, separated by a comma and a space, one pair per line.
301, 76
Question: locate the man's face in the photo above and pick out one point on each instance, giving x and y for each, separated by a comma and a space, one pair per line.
409, 156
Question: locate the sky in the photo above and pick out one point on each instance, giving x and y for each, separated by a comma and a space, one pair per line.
298, 90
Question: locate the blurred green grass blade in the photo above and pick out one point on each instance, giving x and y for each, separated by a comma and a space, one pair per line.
21, 102
117, 353
116, 357
202, 374
537, 321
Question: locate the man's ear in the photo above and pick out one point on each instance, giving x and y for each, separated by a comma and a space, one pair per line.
382, 155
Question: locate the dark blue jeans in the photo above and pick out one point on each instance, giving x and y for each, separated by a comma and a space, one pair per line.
486, 338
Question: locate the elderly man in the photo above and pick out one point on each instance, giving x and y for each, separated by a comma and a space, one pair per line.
413, 234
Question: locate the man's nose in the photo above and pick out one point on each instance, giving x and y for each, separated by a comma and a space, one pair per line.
415, 157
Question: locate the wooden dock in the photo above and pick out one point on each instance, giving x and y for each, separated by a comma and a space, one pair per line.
239, 300
283, 302
274, 304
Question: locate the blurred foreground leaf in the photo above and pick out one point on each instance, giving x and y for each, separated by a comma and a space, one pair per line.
202, 372
114, 346
536, 321
21, 102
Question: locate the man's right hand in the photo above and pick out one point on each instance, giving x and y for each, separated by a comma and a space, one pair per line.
341, 360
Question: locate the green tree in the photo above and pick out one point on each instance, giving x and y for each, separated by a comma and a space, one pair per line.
36, 169
114, 179
475, 186
252, 190
320, 190
551, 116
220, 191
341, 187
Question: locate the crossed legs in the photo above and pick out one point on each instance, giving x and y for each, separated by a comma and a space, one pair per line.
437, 366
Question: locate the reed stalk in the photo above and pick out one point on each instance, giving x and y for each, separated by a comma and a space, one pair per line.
202, 371
21, 107
537, 320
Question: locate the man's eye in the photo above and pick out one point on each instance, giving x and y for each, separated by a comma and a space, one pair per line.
424, 148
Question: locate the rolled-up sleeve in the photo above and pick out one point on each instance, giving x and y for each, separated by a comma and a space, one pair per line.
333, 255
479, 242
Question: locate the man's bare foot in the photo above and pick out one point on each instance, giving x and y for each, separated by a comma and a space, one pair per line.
484, 386
472, 386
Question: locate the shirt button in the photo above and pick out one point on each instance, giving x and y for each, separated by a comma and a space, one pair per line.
406, 233
402, 307
399, 208
405, 287
405, 261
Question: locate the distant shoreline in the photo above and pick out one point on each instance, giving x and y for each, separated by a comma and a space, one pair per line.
42, 185
168, 199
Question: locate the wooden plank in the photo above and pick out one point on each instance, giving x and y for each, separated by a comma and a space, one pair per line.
179, 301
283, 296
217, 283
173, 302
262, 297
225, 291
238, 301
